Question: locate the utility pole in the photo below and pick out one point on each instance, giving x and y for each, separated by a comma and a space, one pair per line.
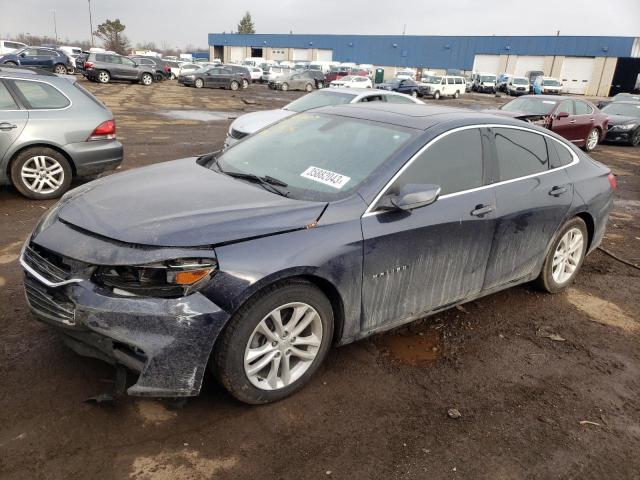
55, 27
404, 29
90, 23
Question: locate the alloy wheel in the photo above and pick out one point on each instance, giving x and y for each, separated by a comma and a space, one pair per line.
567, 256
103, 77
592, 139
60, 69
283, 346
42, 174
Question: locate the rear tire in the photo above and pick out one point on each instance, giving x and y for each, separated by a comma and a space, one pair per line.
232, 361
41, 173
234, 85
146, 79
60, 69
103, 76
245, 84
592, 140
414, 93
555, 278
457, 94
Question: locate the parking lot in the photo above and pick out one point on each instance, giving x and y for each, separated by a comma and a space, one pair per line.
546, 385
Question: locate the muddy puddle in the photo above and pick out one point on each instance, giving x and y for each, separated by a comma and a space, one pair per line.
199, 115
415, 349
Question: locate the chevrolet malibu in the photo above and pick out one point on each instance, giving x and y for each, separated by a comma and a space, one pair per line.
322, 229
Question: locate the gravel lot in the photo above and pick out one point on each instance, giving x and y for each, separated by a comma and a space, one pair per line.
531, 407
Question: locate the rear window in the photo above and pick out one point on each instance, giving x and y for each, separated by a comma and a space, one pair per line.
520, 153
40, 95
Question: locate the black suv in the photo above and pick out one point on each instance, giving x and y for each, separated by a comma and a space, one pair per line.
161, 67
41, 57
104, 67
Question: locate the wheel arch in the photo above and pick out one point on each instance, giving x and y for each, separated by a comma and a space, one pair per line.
589, 221
58, 149
326, 286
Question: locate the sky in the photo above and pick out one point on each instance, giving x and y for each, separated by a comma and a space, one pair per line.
187, 22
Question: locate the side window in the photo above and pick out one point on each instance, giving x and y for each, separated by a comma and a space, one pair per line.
397, 99
453, 162
40, 95
43, 52
566, 106
459, 81
31, 52
450, 81
6, 100
582, 108
127, 61
100, 57
115, 59
520, 153
559, 155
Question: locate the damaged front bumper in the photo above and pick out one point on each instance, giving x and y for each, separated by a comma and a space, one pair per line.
167, 340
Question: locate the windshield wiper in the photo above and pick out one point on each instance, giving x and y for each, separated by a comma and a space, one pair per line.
268, 182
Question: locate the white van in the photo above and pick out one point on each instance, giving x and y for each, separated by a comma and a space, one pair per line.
252, 61
484, 82
8, 46
324, 67
443, 86
406, 73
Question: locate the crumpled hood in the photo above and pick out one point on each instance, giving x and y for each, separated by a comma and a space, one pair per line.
183, 204
622, 119
254, 121
506, 113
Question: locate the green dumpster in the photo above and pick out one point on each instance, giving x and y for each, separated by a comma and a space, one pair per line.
379, 75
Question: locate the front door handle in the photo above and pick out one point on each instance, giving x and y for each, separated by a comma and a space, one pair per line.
5, 126
557, 191
482, 210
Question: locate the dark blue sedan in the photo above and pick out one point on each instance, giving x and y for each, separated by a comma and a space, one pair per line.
402, 85
322, 229
40, 57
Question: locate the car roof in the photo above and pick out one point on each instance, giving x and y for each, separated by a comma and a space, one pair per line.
416, 116
24, 72
628, 102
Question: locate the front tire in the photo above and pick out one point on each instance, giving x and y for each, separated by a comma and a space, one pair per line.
245, 84
275, 342
284, 87
234, 85
308, 87
436, 96
199, 83
41, 173
565, 257
592, 140
635, 138
11, 64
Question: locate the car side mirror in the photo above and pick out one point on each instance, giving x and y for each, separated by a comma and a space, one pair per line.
412, 196
22, 55
562, 115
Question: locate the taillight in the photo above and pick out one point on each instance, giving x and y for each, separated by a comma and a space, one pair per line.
104, 131
167, 68
88, 65
612, 181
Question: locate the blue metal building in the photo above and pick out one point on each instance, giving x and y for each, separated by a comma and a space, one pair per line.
431, 51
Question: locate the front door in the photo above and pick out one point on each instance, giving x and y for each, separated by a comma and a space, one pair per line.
127, 69
12, 120
430, 257
567, 127
533, 196
585, 119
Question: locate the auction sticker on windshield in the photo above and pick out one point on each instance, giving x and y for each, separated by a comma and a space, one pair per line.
333, 179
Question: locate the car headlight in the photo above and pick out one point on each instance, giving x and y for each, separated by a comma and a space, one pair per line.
173, 278
190, 76
628, 126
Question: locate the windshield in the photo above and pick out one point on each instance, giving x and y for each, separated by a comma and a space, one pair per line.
628, 96
488, 78
319, 99
519, 81
551, 83
625, 109
315, 67
431, 79
336, 69
348, 78
320, 157
530, 105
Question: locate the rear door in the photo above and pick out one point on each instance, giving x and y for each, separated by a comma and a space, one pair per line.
585, 119
12, 120
533, 196
430, 257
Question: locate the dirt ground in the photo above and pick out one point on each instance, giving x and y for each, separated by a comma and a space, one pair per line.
532, 407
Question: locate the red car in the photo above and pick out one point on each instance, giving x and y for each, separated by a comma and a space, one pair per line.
579, 121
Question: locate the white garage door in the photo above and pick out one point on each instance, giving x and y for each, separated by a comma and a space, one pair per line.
486, 63
576, 74
301, 54
526, 64
325, 55
236, 54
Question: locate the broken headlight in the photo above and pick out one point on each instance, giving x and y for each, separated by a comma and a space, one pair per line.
171, 279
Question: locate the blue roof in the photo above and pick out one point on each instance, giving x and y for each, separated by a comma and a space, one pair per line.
432, 51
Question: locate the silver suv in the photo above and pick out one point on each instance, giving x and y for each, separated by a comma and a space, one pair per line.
51, 129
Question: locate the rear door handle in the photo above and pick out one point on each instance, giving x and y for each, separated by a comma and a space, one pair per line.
557, 191
482, 210
7, 126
